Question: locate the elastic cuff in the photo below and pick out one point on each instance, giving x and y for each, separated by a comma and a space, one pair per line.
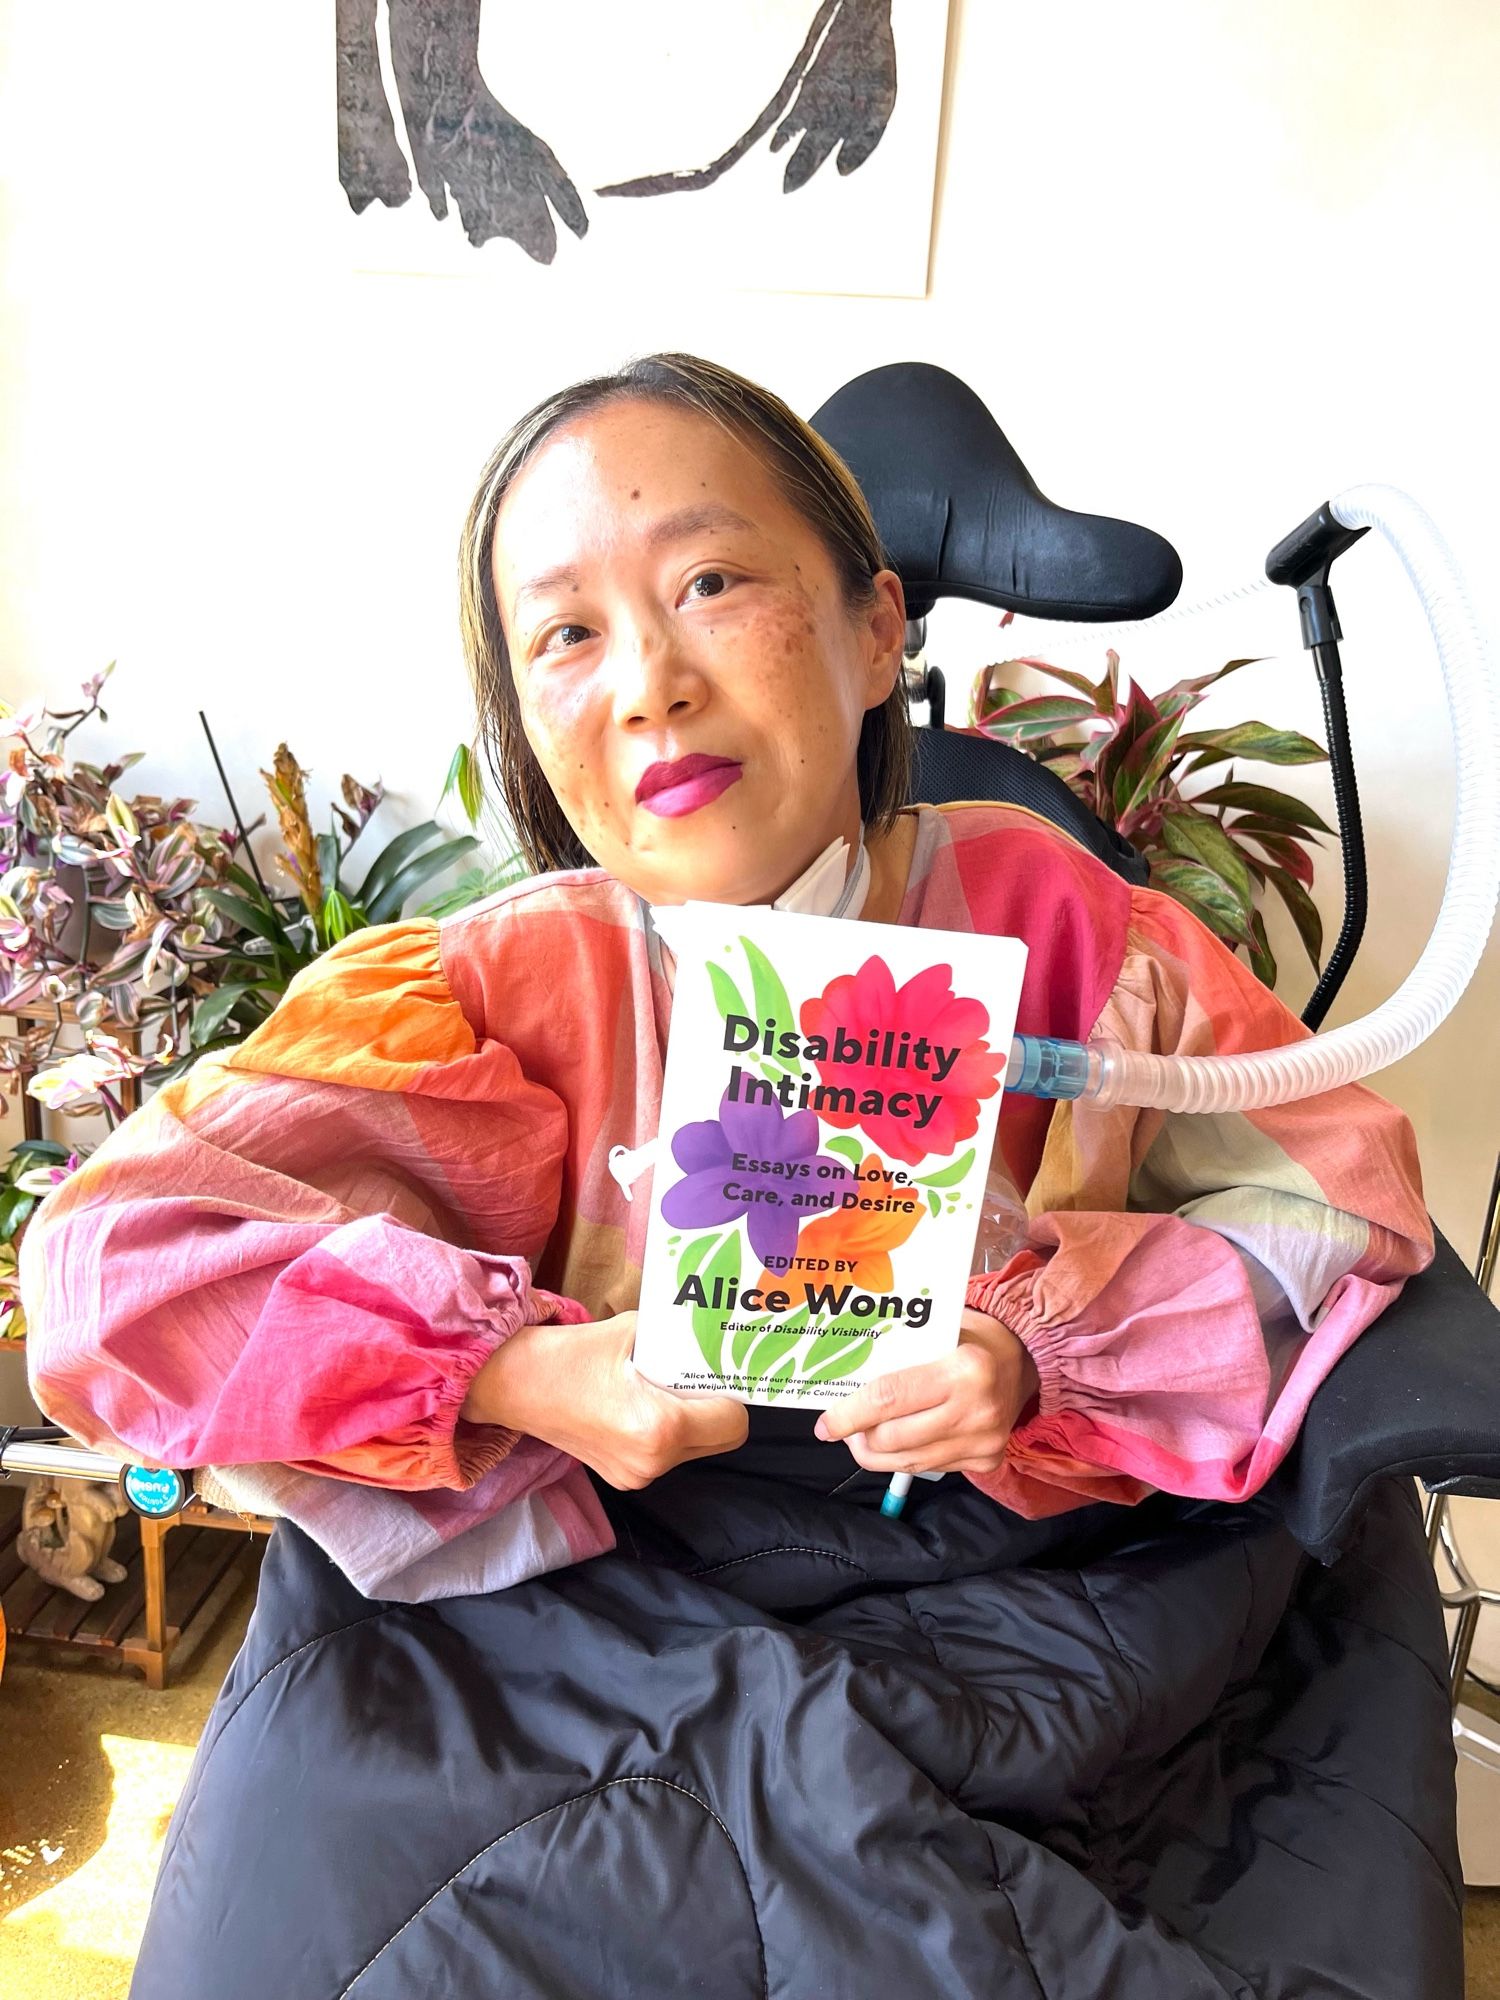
464, 1451
1008, 1300
479, 1448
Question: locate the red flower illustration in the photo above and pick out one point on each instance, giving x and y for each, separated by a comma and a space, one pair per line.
858, 1006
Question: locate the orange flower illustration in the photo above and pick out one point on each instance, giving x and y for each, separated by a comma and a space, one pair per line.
864, 1236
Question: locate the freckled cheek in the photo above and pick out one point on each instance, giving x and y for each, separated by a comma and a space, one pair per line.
563, 733
792, 645
770, 653
776, 670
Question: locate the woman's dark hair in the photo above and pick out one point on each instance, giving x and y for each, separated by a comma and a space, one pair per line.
813, 479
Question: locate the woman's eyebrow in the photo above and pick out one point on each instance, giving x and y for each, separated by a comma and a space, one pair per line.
564, 577
675, 527
694, 521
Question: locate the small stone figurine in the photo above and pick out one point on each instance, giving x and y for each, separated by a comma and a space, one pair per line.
67, 1531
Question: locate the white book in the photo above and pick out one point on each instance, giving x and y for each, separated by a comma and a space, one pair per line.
828, 1115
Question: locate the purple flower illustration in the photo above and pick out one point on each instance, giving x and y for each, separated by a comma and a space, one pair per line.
765, 1138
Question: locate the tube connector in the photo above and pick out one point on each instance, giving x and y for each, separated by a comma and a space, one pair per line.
1044, 1066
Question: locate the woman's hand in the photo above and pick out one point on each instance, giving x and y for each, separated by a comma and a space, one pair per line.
952, 1415
576, 1387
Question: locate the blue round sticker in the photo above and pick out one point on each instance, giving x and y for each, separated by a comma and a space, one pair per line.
155, 1493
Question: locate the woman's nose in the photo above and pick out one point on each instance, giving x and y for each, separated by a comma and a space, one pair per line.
655, 678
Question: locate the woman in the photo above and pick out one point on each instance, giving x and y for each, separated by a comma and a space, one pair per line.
765, 1739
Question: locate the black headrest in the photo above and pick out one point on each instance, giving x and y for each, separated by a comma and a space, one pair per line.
960, 516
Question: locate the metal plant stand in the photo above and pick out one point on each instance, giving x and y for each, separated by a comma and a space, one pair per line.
1467, 1597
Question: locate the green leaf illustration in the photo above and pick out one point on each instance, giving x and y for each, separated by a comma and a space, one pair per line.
772, 1385
691, 1261
708, 1321
934, 1202
745, 1339
855, 1353
769, 1001
726, 993
827, 1347
775, 1346
947, 1176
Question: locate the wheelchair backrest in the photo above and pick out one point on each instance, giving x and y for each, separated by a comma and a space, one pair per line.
960, 516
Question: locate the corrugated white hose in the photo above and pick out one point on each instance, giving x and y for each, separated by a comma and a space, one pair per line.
1113, 1075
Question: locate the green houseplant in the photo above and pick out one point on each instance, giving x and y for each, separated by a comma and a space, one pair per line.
137, 917
1127, 756
133, 913
33, 1169
272, 935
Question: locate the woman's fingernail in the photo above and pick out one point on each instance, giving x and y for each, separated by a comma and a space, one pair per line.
820, 1429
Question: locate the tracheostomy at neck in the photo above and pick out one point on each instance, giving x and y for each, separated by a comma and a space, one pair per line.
829, 886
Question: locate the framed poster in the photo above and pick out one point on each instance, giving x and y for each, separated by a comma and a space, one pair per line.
768, 145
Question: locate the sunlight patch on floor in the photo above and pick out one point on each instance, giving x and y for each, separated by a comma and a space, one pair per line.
78, 1939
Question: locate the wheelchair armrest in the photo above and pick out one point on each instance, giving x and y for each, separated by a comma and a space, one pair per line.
1419, 1392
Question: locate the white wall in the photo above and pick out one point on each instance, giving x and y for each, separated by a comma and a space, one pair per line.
1208, 264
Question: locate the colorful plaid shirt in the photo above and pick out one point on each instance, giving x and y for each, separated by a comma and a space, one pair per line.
298, 1254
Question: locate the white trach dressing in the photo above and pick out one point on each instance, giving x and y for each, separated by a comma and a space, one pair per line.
827, 887
627, 1164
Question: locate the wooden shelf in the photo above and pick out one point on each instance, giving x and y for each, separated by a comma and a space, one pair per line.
172, 1567
38, 1013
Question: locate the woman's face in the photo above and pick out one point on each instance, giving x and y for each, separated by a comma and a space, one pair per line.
689, 678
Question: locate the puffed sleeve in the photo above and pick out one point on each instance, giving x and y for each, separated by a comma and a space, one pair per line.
1189, 1279
302, 1249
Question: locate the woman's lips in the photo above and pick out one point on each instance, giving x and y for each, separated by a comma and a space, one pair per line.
670, 790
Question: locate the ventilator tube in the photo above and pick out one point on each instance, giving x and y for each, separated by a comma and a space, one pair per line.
1042, 1066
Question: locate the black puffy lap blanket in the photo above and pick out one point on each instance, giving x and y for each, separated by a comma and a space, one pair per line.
777, 1745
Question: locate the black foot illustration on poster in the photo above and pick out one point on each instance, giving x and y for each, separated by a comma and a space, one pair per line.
505, 181
464, 142
840, 91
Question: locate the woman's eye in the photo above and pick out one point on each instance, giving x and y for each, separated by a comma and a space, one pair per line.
561, 637
711, 576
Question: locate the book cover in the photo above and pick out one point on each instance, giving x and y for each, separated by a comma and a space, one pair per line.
828, 1113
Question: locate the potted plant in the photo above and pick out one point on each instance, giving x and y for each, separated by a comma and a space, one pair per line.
1127, 757
156, 937
33, 1168
271, 935
98, 895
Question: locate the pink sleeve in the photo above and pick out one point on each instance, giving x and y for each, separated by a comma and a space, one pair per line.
303, 1250
1189, 1280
